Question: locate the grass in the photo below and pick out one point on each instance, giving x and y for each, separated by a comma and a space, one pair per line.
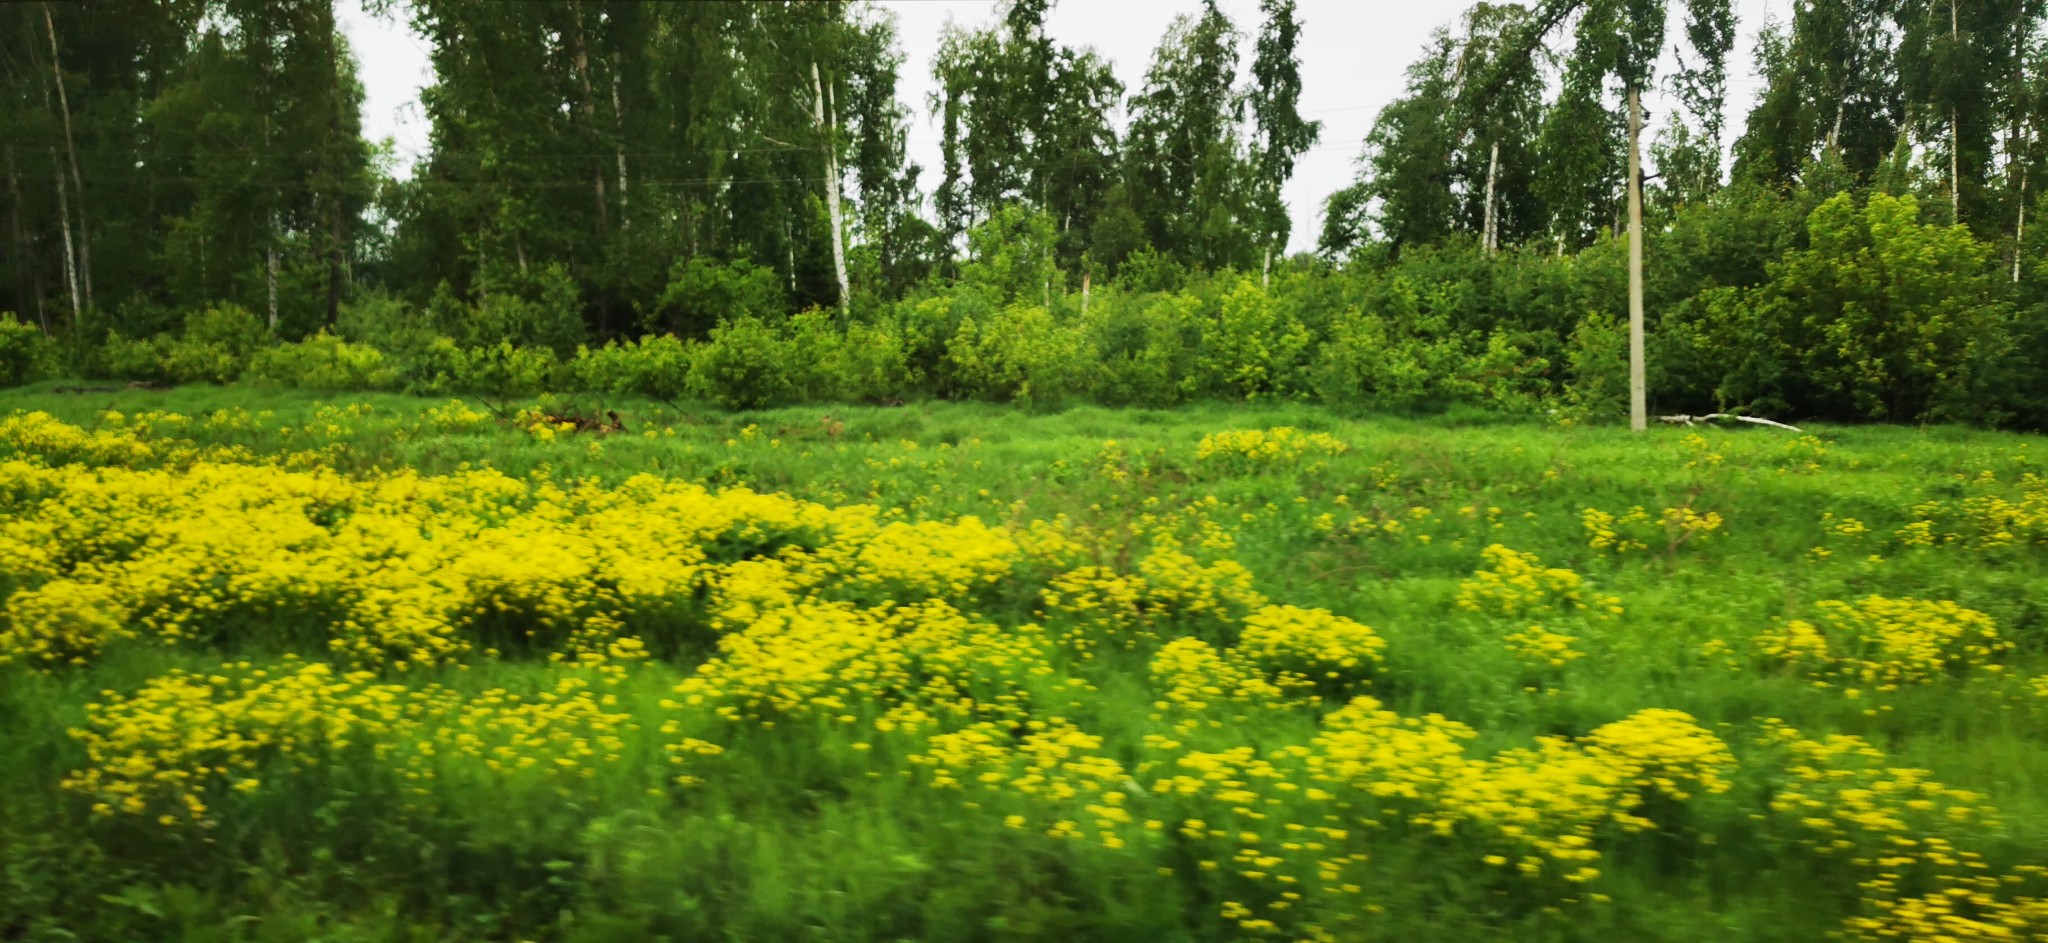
797, 833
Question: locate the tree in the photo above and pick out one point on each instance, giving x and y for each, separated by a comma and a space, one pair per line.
1831, 86
1280, 134
1183, 171
1024, 119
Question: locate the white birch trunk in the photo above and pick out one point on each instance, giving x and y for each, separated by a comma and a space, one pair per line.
71, 151
831, 132
64, 220
1490, 236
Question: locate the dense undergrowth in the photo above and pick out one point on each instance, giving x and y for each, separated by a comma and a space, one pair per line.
1786, 305
389, 668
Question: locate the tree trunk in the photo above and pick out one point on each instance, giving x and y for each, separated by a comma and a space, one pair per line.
1638, 399
64, 223
19, 237
831, 133
330, 158
1490, 232
1955, 136
619, 125
2019, 231
1266, 267
589, 109
270, 210
71, 150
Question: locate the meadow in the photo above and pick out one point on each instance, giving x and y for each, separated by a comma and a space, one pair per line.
279, 666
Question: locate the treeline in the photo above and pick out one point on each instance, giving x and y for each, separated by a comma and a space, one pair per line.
714, 199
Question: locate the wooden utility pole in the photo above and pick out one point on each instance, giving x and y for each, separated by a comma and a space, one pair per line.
1638, 397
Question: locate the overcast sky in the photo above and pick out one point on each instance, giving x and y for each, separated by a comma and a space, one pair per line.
1353, 53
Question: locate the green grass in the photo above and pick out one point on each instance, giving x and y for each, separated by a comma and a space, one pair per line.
797, 837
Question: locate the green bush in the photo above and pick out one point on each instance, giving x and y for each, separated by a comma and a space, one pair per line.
215, 347
24, 351
872, 364
703, 293
1373, 363
657, 367
857, 363
130, 358
746, 364
1251, 348
1597, 383
503, 370
323, 362
540, 308
1144, 347
384, 321
1023, 353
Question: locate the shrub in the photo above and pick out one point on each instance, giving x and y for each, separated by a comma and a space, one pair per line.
504, 370
1597, 383
384, 321
323, 362
24, 351
657, 367
214, 348
537, 309
1144, 347
1022, 353
872, 364
703, 293
1251, 348
747, 364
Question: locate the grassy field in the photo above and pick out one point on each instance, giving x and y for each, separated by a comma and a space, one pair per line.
274, 667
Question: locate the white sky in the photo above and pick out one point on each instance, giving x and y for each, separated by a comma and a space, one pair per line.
1353, 54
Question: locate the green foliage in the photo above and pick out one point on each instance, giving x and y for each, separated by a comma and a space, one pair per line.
703, 292
384, 321
24, 350
1011, 256
1144, 346
1251, 348
656, 366
1597, 369
1022, 352
1881, 317
520, 309
503, 370
746, 364
323, 362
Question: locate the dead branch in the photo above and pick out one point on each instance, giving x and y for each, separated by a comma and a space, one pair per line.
1711, 417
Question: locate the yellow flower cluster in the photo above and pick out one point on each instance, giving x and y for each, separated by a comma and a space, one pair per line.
1885, 643
1983, 521
1517, 584
1535, 806
1842, 799
1307, 648
172, 749
1537, 646
1635, 530
43, 435
1256, 448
